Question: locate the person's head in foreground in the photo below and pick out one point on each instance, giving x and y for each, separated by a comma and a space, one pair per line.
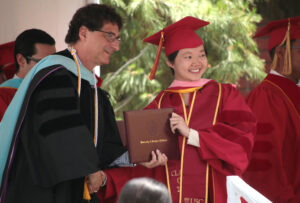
144, 190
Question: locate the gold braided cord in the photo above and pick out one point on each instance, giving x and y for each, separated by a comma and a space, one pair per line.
187, 120
207, 169
166, 166
78, 71
86, 194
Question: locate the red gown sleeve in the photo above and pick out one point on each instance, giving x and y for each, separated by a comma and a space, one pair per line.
6, 95
227, 145
271, 145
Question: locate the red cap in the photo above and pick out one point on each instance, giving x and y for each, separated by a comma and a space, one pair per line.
7, 59
179, 35
7, 53
277, 31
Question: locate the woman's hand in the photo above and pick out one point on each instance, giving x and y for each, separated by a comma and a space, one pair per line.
158, 159
178, 123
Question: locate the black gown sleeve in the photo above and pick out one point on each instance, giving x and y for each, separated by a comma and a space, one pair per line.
110, 144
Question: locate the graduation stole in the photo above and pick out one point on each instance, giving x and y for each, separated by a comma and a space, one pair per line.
86, 194
12, 83
187, 120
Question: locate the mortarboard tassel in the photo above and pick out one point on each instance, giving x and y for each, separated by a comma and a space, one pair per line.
287, 66
155, 65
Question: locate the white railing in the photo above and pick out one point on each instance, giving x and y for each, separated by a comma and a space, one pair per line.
237, 188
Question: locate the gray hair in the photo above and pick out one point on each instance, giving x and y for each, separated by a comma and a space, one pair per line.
144, 190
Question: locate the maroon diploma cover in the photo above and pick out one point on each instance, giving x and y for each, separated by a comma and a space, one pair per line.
148, 130
122, 131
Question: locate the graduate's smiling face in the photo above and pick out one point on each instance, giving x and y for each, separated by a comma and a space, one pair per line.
190, 64
100, 44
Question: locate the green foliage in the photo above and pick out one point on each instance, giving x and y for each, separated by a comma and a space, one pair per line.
231, 50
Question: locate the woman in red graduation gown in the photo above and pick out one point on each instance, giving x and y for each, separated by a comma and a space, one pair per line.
214, 126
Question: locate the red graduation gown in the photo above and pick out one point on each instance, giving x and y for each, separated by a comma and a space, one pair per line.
224, 147
275, 164
6, 95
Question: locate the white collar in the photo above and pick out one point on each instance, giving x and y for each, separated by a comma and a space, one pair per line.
276, 73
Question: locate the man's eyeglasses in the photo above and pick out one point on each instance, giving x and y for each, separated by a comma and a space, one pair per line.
30, 58
110, 36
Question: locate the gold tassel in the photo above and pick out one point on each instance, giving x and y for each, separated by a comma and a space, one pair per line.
287, 66
155, 65
86, 194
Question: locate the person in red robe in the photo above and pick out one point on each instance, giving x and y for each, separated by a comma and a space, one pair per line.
7, 66
274, 168
214, 125
30, 46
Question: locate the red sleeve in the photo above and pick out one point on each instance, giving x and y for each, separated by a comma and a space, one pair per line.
3, 107
6, 95
227, 145
274, 123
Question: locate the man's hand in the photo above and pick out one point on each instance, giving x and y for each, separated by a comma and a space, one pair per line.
94, 181
178, 123
158, 159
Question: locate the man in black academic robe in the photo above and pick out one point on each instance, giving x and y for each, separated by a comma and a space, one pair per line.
63, 133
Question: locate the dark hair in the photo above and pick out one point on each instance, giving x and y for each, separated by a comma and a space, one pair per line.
171, 58
25, 43
93, 16
144, 190
272, 51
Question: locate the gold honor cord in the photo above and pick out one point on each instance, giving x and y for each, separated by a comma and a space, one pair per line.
207, 168
187, 120
73, 52
86, 194
166, 166
184, 139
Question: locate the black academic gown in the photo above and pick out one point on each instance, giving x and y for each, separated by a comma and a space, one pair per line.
55, 148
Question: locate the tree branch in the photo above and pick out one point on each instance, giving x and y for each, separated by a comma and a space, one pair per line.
124, 102
124, 66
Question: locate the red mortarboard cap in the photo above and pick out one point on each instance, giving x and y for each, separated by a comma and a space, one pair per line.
277, 31
179, 35
7, 59
281, 32
7, 53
